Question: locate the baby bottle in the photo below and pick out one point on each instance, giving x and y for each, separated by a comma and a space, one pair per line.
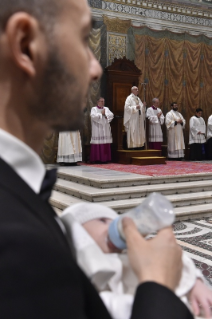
154, 213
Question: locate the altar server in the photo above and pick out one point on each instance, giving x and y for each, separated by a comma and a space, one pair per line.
209, 138
156, 119
101, 137
69, 148
197, 136
175, 123
134, 117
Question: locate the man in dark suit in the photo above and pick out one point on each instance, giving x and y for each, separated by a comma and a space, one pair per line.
46, 68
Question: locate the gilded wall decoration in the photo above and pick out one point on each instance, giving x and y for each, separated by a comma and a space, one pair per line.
116, 46
117, 25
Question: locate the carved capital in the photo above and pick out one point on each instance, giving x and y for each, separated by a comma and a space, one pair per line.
117, 25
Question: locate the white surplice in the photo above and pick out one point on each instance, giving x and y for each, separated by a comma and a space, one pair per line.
69, 147
209, 128
175, 145
133, 122
155, 131
197, 124
100, 125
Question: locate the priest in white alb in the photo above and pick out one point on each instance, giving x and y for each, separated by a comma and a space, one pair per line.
197, 136
134, 118
156, 119
175, 123
209, 138
69, 148
101, 136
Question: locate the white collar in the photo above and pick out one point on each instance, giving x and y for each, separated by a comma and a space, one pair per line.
25, 162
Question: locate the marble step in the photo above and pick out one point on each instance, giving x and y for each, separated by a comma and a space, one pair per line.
61, 201
181, 200
105, 178
93, 194
140, 161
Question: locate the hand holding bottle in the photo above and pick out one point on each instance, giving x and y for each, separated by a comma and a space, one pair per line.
158, 260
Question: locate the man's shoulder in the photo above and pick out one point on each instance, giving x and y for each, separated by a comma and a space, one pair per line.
129, 96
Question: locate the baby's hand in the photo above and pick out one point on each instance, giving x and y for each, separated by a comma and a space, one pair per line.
200, 298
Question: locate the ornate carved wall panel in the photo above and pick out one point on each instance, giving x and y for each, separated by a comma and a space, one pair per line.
116, 46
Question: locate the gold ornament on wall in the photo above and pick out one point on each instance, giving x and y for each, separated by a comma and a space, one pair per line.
117, 25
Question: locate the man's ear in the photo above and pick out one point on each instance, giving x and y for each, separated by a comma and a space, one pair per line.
23, 35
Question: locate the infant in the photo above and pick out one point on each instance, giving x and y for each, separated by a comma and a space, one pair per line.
109, 269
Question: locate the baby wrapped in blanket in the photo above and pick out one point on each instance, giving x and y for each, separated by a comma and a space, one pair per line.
110, 271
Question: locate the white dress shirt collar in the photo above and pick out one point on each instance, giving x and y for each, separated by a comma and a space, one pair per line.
25, 162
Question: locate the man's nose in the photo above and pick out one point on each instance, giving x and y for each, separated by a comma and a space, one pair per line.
95, 69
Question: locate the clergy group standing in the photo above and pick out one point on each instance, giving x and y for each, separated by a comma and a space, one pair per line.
101, 136
175, 124
156, 119
69, 148
197, 136
134, 120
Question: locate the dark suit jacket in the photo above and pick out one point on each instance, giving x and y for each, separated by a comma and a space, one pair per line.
39, 278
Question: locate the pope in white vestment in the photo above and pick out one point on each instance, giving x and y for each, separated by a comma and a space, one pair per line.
134, 117
101, 136
175, 123
156, 119
69, 147
197, 136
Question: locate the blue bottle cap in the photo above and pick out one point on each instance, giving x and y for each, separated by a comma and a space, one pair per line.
114, 235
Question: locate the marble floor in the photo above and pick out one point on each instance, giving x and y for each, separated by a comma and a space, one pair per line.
195, 237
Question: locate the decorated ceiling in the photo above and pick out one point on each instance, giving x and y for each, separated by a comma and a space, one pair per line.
194, 2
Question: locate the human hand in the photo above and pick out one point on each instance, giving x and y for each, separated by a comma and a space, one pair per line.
138, 107
199, 133
158, 259
180, 121
103, 112
159, 114
200, 298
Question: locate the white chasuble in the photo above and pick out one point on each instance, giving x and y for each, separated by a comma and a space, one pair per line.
175, 137
134, 122
100, 125
155, 131
69, 147
197, 124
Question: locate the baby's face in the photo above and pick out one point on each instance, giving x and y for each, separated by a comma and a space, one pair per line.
98, 230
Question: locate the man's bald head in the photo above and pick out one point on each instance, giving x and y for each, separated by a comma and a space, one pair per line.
43, 10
